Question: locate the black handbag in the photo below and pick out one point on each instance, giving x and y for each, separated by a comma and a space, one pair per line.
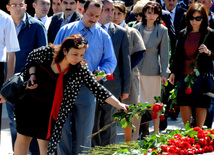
14, 89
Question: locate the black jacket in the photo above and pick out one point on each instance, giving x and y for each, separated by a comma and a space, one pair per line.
204, 61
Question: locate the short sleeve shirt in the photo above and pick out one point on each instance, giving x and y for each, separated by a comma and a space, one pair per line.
8, 38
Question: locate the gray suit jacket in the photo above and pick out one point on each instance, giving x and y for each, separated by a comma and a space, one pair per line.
156, 57
122, 73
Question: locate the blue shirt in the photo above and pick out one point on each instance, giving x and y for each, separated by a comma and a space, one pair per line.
19, 26
100, 53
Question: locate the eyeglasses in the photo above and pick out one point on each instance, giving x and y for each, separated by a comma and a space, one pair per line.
138, 14
21, 5
153, 4
198, 18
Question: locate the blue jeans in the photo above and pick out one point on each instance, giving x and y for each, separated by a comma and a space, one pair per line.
34, 148
84, 117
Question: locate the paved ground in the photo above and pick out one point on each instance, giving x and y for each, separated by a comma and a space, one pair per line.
6, 147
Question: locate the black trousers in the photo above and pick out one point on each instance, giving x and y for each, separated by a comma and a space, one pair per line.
1, 82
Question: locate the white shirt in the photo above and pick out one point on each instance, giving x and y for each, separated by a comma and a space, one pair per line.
8, 38
45, 20
172, 13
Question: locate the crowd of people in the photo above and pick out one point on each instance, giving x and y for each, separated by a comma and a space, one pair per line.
143, 45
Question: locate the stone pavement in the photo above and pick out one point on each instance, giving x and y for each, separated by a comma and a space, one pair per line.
6, 147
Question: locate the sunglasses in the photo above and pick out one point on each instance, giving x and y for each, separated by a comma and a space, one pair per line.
153, 4
198, 18
80, 43
138, 14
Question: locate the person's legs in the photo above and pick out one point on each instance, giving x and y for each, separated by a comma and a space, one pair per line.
96, 140
66, 144
85, 111
43, 146
13, 131
156, 123
201, 114
136, 123
186, 113
1, 82
22, 144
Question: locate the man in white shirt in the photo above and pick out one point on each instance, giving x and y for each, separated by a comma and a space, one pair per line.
42, 8
8, 46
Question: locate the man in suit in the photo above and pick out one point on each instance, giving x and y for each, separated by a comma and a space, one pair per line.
177, 13
31, 34
42, 8
56, 6
120, 85
67, 15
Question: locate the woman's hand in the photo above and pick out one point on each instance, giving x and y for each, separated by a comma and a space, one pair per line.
2, 100
203, 49
124, 96
172, 78
123, 106
32, 82
116, 103
163, 80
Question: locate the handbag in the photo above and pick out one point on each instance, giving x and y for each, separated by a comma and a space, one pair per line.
14, 89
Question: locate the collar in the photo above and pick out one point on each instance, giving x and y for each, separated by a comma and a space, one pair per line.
69, 17
22, 20
173, 11
122, 24
106, 25
81, 26
43, 19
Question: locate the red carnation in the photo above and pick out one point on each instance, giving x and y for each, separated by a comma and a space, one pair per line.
164, 147
196, 129
177, 136
160, 105
162, 117
155, 108
188, 90
109, 77
154, 115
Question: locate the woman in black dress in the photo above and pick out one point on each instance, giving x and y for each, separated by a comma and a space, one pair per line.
56, 78
191, 42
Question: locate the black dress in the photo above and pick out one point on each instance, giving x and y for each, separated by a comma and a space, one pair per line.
33, 111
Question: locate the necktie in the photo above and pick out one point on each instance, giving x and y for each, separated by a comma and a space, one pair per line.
103, 26
86, 29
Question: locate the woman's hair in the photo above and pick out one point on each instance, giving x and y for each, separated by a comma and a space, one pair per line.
74, 41
121, 7
202, 10
138, 7
152, 6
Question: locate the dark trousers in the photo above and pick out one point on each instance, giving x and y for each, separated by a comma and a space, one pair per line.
103, 116
1, 82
